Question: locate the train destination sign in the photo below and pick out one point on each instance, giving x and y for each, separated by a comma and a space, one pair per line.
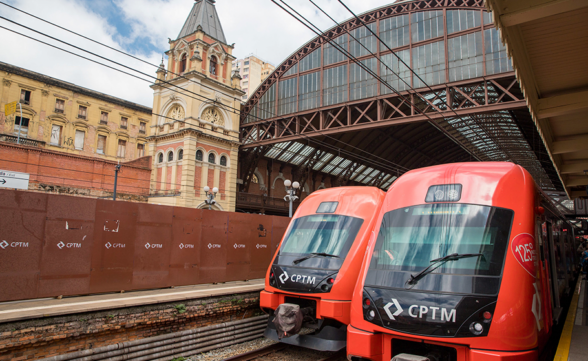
14, 180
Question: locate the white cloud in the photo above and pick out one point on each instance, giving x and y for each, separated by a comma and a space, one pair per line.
255, 26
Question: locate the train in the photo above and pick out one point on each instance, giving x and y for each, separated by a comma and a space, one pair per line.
310, 281
471, 261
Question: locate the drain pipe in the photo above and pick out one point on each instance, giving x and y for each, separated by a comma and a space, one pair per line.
121, 346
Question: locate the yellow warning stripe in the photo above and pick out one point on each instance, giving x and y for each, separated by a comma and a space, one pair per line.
563, 348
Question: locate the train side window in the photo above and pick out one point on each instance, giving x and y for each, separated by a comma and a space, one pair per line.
540, 240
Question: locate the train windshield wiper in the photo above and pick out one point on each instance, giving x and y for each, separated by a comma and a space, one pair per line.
311, 255
439, 261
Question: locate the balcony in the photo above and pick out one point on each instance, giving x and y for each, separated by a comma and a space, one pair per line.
23, 141
60, 111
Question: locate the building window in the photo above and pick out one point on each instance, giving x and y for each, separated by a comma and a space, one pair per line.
59, 106
183, 64
104, 118
122, 147
170, 156
142, 127
23, 125
246, 63
25, 97
79, 141
55, 135
223, 161
82, 112
245, 76
245, 83
213, 65
181, 154
211, 158
199, 155
160, 158
101, 144
140, 150
254, 179
245, 89
124, 122
246, 70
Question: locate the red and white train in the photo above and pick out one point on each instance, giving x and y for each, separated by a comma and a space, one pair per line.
316, 266
471, 262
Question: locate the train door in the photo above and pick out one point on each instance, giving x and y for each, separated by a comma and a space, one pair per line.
553, 284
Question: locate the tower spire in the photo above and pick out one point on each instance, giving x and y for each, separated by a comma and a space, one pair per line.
204, 14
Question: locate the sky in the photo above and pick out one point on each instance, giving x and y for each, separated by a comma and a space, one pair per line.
142, 28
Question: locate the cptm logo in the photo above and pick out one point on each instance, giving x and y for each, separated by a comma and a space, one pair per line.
187, 245
212, 245
5, 244
153, 245
238, 245
108, 245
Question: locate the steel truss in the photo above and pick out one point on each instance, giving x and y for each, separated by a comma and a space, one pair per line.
474, 96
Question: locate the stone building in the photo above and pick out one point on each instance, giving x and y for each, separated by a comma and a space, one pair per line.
195, 125
64, 117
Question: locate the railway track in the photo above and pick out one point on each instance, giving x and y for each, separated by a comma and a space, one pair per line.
282, 352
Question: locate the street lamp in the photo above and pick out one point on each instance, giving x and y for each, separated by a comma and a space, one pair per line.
290, 197
210, 196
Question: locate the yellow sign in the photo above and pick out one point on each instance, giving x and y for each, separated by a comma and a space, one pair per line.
10, 108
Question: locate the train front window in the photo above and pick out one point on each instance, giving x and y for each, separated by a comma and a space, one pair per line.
410, 238
328, 234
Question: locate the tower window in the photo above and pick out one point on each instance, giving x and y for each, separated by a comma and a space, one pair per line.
181, 154
199, 155
170, 156
213, 65
183, 64
160, 158
211, 158
223, 161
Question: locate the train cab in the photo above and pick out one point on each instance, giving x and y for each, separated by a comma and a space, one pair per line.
465, 266
315, 268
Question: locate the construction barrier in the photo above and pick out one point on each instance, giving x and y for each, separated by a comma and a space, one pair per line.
52, 245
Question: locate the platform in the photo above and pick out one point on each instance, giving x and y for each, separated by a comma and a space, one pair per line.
47, 307
572, 343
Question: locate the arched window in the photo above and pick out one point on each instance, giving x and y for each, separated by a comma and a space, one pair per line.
223, 161
199, 155
211, 158
183, 64
181, 154
254, 179
170, 156
160, 159
213, 65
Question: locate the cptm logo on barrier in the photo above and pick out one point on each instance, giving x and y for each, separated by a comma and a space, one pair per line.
61, 245
5, 244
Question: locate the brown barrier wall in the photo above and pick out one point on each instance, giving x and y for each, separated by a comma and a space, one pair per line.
53, 245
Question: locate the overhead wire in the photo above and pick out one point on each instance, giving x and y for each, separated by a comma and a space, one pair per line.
321, 34
133, 75
179, 75
418, 76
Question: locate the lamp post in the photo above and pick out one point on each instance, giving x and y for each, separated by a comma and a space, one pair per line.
290, 197
210, 196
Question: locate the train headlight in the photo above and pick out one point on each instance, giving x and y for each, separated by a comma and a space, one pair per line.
371, 314
476, 328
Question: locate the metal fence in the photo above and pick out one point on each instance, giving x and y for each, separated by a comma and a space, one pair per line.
53, 245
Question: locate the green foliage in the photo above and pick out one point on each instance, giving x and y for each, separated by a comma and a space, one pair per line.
181, 308
179, 359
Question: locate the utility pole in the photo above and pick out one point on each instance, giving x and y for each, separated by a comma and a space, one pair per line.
116, 169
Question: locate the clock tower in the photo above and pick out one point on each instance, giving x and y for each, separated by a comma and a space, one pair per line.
195, 123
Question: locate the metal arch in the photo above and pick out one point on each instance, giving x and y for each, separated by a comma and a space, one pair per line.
371, 16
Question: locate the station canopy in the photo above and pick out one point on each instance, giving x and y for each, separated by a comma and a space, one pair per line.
348, 104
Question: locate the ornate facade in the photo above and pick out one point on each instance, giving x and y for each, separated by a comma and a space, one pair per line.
195, 123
